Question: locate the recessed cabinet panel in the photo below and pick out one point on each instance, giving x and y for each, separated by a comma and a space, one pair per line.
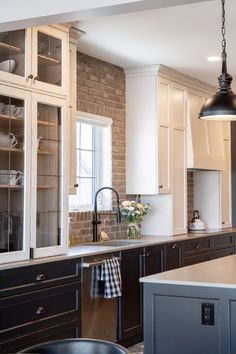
164, 159
215, 138
199, 139
178, 106
163, 102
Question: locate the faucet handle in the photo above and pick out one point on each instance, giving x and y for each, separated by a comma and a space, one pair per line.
96, 222
118, 215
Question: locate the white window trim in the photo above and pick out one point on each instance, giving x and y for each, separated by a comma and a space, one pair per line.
106, 122
96, 119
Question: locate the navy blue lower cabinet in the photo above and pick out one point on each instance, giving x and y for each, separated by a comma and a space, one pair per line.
185, 319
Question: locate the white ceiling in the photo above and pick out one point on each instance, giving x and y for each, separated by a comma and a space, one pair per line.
180, 37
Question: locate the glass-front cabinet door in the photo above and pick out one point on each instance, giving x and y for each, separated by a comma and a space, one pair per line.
34, 58
48, 182
15, 56
50, 53
14, 174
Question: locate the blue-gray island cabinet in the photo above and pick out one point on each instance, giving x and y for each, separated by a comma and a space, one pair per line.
191, 310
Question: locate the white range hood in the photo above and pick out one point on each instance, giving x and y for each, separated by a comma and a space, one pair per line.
205, 139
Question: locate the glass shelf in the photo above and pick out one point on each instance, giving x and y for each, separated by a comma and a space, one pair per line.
9, 186
45, 60
48, 211
6, 149
5, 116
10, 47
42, 122
44, 187
45, 153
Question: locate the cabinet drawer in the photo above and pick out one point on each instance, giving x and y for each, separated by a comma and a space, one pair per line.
71, 329
18, 280
223, 253
196, 259
38, 309
224, 241
196, 246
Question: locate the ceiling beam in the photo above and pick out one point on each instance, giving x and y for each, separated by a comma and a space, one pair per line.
28, 13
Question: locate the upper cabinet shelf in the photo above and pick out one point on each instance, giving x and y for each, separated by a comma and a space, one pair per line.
47, 60
9, 47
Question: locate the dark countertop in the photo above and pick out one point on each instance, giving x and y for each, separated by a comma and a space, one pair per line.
91, 248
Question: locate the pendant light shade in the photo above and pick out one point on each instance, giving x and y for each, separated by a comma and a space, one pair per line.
221, 106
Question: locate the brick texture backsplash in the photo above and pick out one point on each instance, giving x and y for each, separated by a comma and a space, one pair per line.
190, 195
101, 90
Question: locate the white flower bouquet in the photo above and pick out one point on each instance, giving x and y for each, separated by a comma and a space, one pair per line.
133, 213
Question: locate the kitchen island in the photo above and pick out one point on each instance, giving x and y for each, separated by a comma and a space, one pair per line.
191, 310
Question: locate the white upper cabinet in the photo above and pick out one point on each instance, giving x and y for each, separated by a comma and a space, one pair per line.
205, 138
141, 132
156, 147
35, 58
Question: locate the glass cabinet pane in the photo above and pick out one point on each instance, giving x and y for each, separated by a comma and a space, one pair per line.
48, 176
12, 52
12, 166
49, 59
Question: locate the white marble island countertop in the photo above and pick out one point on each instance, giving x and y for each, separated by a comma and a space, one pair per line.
215, 273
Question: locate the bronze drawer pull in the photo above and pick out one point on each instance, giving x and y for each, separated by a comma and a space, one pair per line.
174, 245
36, 78
40, 310
41, 277
30, 76
197, 246
161, 186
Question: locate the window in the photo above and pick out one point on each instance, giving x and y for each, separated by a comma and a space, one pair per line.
93, 162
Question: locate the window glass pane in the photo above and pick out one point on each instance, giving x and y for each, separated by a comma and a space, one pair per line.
86, 136
85, 191
86, 164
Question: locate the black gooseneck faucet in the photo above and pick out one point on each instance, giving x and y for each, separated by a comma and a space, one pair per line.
95, 221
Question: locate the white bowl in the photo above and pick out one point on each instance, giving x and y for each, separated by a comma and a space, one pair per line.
7, 65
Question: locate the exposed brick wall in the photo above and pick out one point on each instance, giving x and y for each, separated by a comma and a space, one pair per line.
190, 195
101, 90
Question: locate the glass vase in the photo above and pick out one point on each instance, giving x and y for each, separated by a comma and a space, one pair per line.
132, 231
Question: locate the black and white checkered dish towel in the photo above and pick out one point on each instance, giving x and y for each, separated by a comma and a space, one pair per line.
96, 286
110, 274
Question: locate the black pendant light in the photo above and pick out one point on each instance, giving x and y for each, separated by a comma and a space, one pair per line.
221, 106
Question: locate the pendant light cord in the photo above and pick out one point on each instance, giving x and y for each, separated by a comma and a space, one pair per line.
225, 79
223, 31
